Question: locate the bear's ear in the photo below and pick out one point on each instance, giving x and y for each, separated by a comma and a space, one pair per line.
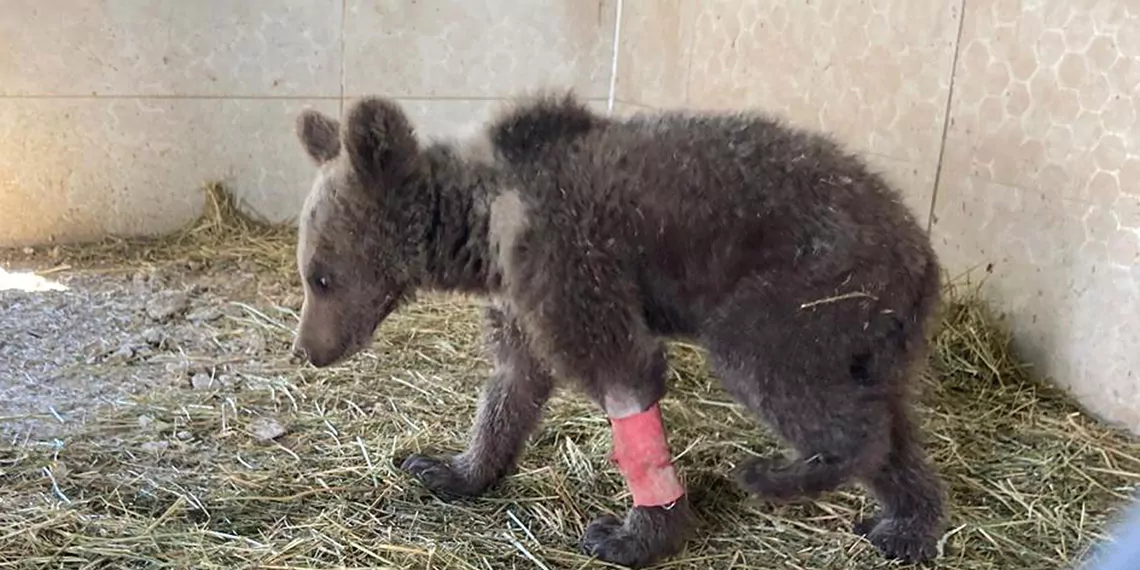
319, 135
380, 141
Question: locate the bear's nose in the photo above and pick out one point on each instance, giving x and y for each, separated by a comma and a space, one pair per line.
299, 352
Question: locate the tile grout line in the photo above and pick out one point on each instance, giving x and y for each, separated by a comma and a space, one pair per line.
946, 118
614, 60
343, 64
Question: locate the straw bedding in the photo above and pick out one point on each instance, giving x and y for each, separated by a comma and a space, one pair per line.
185, 438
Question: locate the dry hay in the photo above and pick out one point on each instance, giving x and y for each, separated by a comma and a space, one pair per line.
224, 233
195, 478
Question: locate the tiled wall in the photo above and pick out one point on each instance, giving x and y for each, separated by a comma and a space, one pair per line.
1016, 123
113, 113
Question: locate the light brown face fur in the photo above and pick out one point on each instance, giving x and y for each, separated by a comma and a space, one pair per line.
356, 253
344, 302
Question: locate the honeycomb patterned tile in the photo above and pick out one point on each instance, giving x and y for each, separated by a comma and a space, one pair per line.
1057, 74
1073, 308
1042, 180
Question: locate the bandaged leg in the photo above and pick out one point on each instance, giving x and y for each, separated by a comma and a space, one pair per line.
641, 452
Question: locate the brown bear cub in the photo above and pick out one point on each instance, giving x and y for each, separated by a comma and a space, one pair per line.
597, 238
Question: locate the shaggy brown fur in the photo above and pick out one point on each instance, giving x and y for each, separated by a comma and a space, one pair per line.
798, 269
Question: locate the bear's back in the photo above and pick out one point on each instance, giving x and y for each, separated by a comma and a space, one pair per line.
707, 178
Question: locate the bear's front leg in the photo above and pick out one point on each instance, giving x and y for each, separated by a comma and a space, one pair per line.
509, 410
592, 325
659, 522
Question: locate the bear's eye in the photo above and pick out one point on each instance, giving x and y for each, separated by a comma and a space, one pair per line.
320, 282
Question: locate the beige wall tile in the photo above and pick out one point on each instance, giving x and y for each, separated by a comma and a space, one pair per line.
449, 119
874, 74
452, 119
39, 152
623, 109
653, 63
139, 47
1042, 165
78, 168
455, 48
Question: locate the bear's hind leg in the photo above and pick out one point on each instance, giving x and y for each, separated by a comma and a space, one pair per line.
831, 384
836, 436
910, 521
794, 370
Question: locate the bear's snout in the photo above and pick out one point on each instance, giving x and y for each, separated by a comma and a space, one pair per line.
317, 357
304, 350
299, 351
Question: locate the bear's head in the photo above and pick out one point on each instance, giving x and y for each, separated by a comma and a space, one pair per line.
361, 248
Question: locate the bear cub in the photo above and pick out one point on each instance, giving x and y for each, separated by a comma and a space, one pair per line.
596, 239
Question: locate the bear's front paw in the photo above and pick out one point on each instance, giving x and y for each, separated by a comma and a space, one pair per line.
908, 541
442, 475
608, 539
646, 536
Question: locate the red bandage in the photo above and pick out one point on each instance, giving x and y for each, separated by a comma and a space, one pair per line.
642, 455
